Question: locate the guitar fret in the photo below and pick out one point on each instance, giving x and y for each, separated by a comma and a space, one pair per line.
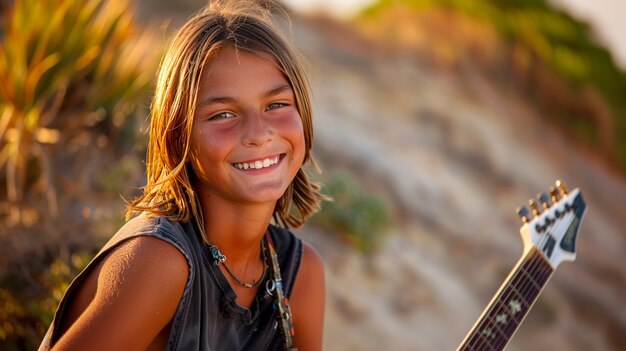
514, 306
510, 306
486, 334
483, 335
482, 339
542, 267
519, 281
538, 272
531, 279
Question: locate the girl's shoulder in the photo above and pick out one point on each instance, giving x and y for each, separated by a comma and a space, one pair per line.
136, 276
147, 225
173, 233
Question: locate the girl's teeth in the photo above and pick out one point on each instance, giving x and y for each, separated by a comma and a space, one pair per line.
258, 164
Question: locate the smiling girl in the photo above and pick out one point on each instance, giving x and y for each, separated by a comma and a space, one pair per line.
201, 267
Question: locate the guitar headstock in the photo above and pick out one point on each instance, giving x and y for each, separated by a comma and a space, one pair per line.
552, 223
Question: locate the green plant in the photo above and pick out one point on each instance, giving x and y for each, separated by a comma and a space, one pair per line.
359, 219
68, 69
25, 318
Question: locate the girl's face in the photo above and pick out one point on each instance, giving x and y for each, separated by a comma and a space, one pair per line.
247, 140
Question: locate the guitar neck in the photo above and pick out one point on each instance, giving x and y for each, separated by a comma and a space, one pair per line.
508, 308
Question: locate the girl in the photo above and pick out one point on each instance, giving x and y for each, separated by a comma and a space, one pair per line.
201, 267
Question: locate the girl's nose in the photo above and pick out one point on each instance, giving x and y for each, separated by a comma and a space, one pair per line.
257, 131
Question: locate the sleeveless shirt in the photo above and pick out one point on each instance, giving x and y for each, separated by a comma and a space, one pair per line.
207, 317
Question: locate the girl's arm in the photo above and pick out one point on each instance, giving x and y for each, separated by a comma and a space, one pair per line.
138, 288
307, 302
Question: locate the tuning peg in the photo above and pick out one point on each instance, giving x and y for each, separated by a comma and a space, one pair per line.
534, 208
522, 212
544, 200
554, 194
562, 187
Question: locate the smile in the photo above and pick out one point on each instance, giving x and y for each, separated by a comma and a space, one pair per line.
259, 164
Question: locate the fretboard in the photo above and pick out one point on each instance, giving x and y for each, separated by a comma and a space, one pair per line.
508, 308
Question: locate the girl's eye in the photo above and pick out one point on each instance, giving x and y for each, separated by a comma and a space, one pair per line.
221, 116
275, 105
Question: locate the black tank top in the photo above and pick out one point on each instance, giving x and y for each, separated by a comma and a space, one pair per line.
207, 317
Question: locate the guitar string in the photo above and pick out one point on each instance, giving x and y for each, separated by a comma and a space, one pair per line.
542, 270
539, 272
543, 273
530, 290
488, 320
537, 275
481, 338
523, 276
480, 335
486, 323
493, 343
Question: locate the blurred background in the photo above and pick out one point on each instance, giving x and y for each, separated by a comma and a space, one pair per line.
434, 119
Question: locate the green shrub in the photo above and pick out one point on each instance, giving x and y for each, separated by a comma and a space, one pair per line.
25, 317
62, 79
359, 219
72, 73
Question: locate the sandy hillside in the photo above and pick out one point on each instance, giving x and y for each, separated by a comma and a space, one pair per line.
454, 157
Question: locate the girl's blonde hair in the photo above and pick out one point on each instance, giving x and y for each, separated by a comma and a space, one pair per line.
246, 26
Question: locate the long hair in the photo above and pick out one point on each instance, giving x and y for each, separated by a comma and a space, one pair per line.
246, 26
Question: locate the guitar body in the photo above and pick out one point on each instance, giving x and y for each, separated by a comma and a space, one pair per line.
549, 234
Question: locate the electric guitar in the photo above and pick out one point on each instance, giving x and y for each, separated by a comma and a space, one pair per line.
549, 233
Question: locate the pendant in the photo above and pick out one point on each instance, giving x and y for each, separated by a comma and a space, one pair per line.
218, 257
